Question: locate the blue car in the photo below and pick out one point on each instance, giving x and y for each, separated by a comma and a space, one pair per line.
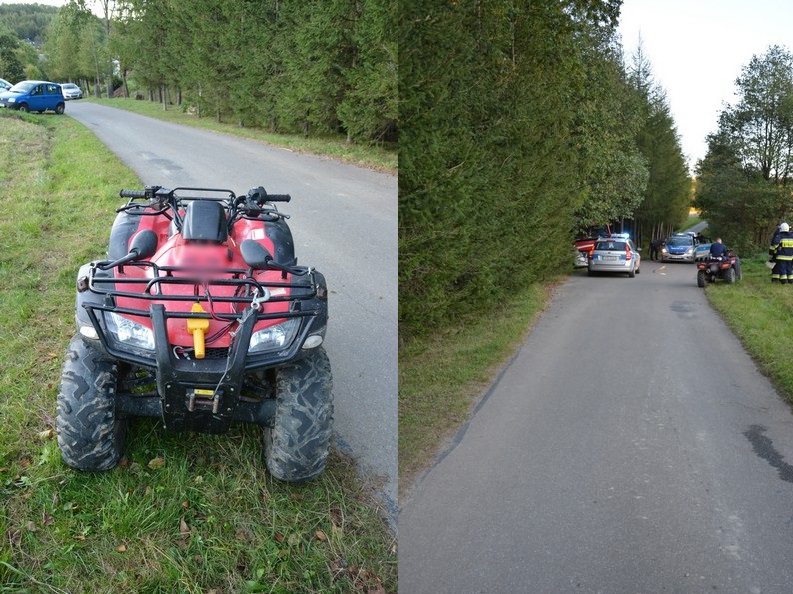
34, 95
678, 248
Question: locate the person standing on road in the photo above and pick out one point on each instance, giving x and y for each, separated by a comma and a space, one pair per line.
654, 249
781, 250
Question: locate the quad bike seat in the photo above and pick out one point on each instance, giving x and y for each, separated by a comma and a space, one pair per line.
205, 220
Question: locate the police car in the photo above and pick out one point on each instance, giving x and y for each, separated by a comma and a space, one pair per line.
678, 248
614, 253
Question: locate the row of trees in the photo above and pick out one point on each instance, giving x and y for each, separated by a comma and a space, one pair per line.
529, 127
744, 181
324, 66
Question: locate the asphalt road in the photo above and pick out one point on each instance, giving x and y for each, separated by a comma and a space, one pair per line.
630, 447
344, 224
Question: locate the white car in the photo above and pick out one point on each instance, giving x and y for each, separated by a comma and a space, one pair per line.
615, 253
71, 91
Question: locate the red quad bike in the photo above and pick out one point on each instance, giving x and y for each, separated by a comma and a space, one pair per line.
711, 269
201, 317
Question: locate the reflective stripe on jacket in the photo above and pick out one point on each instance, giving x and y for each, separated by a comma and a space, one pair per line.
783, 249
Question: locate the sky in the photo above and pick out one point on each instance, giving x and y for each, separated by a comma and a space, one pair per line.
697, 49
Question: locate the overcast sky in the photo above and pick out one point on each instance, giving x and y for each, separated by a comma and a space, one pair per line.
697, 49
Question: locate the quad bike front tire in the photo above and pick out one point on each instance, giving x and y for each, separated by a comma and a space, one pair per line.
296, 445
90, 434
701, 279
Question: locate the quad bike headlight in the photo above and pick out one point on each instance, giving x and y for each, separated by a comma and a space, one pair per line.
275, 337
129, 332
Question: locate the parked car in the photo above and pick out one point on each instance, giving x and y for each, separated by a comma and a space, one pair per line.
71, 91
34, 95
678, 248
584, 242
5, 85
702, 248
615, 253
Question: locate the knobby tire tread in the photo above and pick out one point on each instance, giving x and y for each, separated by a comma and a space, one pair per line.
296, 446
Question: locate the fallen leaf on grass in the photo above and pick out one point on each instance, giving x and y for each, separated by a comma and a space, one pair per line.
79, 537
46, 434
279, 537
31, 526
121, 549
47, 519
184, 529
156, 463
321, 536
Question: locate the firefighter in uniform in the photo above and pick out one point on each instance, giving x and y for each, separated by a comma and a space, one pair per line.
782, 251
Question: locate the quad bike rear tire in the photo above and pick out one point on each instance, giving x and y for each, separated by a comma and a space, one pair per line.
729, 276
90, 434
701, 279
296, 445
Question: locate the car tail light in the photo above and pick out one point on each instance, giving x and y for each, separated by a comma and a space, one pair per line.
628, 254
591, 253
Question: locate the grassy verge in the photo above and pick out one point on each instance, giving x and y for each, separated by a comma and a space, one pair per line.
182, 512
441, 376
383, 159
761, 315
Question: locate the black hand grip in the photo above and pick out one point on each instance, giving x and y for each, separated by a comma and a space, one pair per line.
132, 193
278, 198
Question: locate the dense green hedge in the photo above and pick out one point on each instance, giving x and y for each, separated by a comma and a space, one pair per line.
518, 123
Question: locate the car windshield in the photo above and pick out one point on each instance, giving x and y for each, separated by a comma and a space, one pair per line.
611, 246
680, 241
22, 87
69, 86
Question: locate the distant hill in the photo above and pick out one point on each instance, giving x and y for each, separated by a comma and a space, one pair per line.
28, 21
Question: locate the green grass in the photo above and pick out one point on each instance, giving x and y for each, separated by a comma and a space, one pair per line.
440, 377
182, 512
380, 158
761, 315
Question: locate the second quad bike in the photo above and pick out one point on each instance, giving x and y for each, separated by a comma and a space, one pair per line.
200, 316
726, 268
